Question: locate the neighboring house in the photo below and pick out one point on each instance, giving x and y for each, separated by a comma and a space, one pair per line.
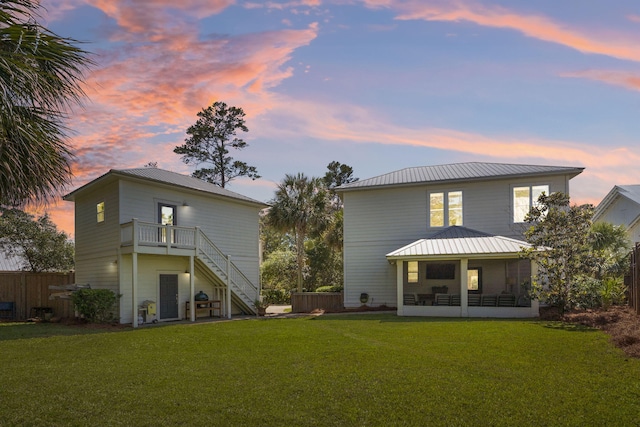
444, 240
10, 262
155, 235
622, 207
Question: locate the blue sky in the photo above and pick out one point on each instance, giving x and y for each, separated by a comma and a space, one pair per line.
377, 84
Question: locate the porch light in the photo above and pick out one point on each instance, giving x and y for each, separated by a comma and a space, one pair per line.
185, 204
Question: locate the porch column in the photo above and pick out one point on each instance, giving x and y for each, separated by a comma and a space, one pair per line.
229, 286
134, 288
400, 286
192, 291
464, 294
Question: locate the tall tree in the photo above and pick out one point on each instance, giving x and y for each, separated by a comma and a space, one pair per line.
300, 206
560, 236
210, 139
41, 78
36, 240
337, 174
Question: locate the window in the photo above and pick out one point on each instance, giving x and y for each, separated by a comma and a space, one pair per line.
412, 271
524, 198
445, 208
100, 212
474, 280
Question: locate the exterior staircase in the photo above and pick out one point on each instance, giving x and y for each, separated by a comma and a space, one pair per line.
210, 261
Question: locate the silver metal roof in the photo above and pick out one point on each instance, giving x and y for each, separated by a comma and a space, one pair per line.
170, 178
10, 262
460, 241
471, 171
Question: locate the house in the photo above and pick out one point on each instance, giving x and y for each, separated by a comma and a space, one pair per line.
444, 240
621, 206
157, 237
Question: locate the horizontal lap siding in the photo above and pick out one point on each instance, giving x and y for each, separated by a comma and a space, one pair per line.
376, 223
232, 226
97, 243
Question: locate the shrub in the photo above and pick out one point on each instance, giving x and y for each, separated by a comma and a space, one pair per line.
276, 296
332, 288
96, 305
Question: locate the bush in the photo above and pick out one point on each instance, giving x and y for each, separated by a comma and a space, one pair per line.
332, 288
276, 296
96, 305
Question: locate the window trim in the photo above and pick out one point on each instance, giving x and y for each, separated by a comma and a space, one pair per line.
446, 209
531, 203
100, 212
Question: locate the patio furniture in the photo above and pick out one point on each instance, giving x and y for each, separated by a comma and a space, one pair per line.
506, 300
455, 300
442, 299
410, 299
473, 300
7, 310
489, 300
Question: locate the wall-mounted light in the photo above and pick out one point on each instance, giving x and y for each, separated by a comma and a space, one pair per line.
184, 203
116, 261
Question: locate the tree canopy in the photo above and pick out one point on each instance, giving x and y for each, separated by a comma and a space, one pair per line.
300, 206
41, 76
36, 240
210, 139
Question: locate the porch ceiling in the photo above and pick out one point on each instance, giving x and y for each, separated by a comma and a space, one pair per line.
472, 245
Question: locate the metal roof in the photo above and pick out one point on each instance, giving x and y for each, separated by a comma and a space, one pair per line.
631, 192
10, 262
471, 171
169, 178
460, 241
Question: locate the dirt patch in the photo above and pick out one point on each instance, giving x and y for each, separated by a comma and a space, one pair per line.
620, 322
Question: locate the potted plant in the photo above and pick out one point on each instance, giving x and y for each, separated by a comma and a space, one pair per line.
261, 307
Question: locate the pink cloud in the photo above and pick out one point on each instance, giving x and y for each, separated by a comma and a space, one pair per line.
622, 46
628, 80
605, 166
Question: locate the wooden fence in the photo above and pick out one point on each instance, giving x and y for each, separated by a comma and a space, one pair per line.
306, 302
27, 290
634, 279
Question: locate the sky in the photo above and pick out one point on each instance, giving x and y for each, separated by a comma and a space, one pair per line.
379, 85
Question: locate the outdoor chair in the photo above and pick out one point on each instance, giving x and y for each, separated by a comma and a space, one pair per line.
473, 300
409, 299
489, 300
455, 300
7, 310
441, 299
506, 300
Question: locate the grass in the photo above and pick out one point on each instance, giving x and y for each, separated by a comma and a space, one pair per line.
331, 370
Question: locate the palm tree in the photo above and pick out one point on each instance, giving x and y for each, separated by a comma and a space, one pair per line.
300, 206
40, 80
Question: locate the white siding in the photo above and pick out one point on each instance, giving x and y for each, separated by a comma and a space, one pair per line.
624, 212
96, 244
232, 226
379, 221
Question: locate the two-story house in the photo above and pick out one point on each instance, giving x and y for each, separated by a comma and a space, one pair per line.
444, 240
157, 237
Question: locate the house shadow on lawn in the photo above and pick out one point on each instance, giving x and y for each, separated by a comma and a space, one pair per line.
26, 330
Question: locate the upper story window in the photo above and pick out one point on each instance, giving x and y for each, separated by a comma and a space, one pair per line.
524, 198
412, 271
100, 212
445, 208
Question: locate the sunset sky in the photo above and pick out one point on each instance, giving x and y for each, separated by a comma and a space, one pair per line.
377, 84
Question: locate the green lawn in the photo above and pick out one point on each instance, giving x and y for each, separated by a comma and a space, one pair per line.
330, 370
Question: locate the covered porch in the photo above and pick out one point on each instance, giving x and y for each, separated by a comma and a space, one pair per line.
461, 272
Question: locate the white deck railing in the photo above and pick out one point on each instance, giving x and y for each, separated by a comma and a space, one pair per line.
137, 233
